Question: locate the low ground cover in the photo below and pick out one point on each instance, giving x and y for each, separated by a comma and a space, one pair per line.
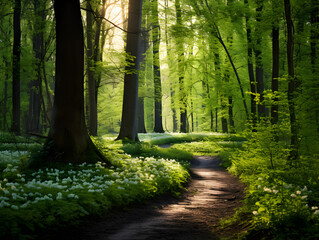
32, 201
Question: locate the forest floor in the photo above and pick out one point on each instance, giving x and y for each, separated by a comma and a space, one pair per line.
212, 194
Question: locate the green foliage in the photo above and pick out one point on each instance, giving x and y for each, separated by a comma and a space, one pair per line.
33, 201
282, 197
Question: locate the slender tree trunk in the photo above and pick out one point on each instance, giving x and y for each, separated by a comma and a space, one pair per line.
314, 36
36, 84
182, 91
92, 120
5, 94
142, 77
15, 127
216, 119
253, 107
158, 127
130, 99
259, 65
275, 73
141, 115
172, 92
291, 83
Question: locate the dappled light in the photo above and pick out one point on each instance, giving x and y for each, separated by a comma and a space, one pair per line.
159, 119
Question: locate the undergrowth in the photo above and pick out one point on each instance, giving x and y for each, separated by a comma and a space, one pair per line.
34, 201
282, 196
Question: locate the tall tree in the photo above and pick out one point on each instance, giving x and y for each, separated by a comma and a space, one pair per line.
291, 83
68, 134
158, 126
15, 126
133, 50
36, 84
253, 109
259, 64
314, 39
92, 120
168, 53
275, 66
181, 72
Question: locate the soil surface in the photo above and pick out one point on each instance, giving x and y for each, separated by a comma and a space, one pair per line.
211, 195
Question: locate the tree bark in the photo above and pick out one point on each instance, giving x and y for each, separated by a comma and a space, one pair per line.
253, 107
172, 92
259, 65
92, 120
36, 84
15, 127
314, 36
5, 94
275, 73
133, 49
180, 53
68, 138
158, 125
291, 83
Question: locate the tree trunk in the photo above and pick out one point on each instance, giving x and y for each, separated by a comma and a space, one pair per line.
68, 138
141, 116
182, 91
15, 127
158, 126
36, 84
253, 107
141, 107
275, 73
133, 48
259, 65
92, 120
5, 94
291, 83
314, 36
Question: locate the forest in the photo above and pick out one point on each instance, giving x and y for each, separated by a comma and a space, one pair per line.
107, 104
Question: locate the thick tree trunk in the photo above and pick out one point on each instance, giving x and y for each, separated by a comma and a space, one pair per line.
15, 127
68, 137
133, 48
291, 83
158, 125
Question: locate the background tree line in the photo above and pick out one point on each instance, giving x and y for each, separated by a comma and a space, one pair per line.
204, 66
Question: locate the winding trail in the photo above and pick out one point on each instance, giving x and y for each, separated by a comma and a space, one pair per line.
212, 194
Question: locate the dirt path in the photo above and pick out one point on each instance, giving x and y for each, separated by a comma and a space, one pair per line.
212, 194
